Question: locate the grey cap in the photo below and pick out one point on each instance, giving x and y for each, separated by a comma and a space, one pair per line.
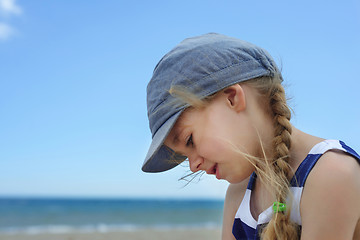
205, 65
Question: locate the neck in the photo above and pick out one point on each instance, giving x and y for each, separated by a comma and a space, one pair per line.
301, 144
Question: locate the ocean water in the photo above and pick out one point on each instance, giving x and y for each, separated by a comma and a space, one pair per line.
32, 216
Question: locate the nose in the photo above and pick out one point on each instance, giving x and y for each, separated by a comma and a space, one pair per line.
195, 162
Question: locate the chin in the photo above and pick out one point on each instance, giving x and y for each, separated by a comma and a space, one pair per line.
236, 179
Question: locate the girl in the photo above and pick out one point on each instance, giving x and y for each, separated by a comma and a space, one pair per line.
218, 102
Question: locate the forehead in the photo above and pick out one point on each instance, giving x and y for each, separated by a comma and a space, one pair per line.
180, 122
193, 115
185, 120
186, 117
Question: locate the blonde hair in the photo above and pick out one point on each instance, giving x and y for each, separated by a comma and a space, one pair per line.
275, 171
280, 226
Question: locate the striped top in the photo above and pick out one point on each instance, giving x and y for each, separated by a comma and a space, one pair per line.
246, 227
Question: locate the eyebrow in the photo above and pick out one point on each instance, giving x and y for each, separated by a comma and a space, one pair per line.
176, 138
178, 130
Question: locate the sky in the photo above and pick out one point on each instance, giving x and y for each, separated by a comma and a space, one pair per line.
73, 76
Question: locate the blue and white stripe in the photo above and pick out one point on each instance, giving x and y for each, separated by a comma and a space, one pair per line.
246, 227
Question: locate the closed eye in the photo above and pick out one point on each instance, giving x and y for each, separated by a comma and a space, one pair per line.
190, 142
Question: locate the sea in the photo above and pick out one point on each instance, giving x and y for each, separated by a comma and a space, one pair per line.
66, 215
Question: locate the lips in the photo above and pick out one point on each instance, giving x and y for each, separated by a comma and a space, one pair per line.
217, 173
212, 170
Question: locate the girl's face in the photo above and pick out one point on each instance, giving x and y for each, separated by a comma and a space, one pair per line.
212, 138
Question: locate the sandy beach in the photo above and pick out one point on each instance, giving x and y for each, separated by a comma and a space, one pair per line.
150, 234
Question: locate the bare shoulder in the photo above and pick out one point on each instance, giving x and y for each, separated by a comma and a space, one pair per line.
329, 204
336, 166
337, 170
234, 196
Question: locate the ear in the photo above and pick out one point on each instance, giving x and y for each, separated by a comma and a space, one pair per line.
235, 97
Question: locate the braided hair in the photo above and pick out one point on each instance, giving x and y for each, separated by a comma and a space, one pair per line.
279, 170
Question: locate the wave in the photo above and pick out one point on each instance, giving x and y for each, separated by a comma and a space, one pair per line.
101, 228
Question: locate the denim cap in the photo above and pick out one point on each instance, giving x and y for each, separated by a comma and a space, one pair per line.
204, 65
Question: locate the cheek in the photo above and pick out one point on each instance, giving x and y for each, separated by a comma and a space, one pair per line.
234, 167
216, 149
217, 141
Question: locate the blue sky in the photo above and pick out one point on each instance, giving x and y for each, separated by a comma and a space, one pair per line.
73, 78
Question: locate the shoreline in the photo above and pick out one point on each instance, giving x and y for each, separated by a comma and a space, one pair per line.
141, 234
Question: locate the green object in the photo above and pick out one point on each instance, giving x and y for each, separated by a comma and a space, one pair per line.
279, 207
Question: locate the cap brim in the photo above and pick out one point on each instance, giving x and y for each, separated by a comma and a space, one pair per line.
159, 157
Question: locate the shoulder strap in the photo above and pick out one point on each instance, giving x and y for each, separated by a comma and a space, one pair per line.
252, 179
316, 152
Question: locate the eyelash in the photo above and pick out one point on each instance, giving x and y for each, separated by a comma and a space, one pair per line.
190, 141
